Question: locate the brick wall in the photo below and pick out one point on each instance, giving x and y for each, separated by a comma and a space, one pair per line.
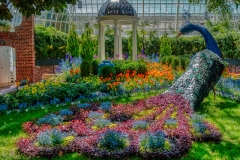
23, 42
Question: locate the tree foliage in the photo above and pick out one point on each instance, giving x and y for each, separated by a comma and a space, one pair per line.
218, 6
72, 42
88, 45
27, 8
165, 47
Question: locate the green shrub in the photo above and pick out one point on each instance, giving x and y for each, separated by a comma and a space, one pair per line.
86, 68
229, 45
122, 66
118, 65
175, 61
9, 100
165, 46
95, 67
163, 59
107, 71
142, 68
49, 43
184, 62
169, 60
133, 66
72, 42
88, 44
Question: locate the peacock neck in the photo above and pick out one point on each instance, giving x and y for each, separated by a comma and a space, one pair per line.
209, 40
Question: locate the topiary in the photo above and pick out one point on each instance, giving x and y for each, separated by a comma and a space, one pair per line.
165, 46
163, 59
169, 60
73, 42
108, 71
86, 68
175, 62
142, 68
95, 67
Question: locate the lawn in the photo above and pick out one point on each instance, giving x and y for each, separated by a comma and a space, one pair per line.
221, 112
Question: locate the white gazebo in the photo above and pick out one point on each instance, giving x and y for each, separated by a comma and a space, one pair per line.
117, 13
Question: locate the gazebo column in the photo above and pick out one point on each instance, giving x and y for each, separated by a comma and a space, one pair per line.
115, 40
103, 42
99, 41
120, 43
134, 41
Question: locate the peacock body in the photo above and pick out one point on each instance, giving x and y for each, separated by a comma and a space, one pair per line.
203, 72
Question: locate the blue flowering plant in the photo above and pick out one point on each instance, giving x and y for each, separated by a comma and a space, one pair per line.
3, 108
140, 125
113, 140
51, 119
65, 112
153, 142
105, 106
50, 138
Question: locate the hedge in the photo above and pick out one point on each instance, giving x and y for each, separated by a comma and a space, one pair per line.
49, 43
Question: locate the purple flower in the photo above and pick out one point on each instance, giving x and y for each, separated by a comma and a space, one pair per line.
126, 55
143, 51
67, 56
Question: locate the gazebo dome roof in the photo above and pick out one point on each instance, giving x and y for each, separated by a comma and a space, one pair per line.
117, 7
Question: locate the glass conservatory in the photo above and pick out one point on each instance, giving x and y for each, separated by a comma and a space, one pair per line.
159, 15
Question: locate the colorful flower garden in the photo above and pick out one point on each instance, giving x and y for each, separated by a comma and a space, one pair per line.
120, 114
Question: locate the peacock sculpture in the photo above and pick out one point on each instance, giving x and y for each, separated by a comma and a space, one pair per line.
204, 70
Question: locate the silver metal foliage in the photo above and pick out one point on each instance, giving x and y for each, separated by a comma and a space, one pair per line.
202, 74
121, 7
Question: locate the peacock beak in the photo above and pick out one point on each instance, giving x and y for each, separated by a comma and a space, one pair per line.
179, 34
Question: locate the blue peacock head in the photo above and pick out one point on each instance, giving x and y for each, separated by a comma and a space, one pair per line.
190, 27
187, 28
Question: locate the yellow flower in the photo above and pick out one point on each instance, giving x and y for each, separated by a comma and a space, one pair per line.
112, 125
68, 139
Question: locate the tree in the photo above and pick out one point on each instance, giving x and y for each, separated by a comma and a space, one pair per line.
27, 8
88, 46
218, 6
72, 42
165, 47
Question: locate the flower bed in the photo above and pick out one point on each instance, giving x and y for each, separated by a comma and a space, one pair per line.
163, 126
88, 88
229, 85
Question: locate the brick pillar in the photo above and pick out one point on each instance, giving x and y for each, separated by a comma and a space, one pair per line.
23, 42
